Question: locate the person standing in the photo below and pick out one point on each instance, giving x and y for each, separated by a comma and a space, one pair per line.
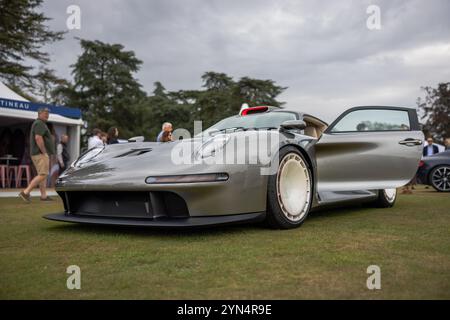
104, 138
447, 143
62, 153
41, 147
166, 127
54, 166
96, 140
113, 134
430, 148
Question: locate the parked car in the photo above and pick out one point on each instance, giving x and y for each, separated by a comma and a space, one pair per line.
435, 171
363, 156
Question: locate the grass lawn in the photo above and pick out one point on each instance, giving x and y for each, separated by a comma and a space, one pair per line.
326, 258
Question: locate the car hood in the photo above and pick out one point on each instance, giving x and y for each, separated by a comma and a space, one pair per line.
136, 160
151, 157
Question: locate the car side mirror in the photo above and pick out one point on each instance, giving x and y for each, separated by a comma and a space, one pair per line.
293, 125
136, 139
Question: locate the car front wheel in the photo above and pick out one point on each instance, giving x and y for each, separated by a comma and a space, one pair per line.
289, 192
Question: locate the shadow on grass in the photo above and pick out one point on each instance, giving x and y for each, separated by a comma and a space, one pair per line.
211, 231
214, 231
342, 210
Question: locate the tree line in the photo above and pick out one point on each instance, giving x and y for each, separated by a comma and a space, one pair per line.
105, 89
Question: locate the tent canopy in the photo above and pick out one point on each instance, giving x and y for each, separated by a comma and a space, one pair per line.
7, 93
22, 114
15, 106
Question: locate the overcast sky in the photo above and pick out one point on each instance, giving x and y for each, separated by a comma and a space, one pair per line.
321, 50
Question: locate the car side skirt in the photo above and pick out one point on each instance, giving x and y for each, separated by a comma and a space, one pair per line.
331, 198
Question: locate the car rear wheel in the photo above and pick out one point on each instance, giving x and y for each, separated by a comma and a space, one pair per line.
440, 178
386, 198
289, 192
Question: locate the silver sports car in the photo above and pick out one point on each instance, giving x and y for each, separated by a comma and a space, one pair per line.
263, 164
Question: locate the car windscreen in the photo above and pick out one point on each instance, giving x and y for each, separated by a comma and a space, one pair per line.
253, 121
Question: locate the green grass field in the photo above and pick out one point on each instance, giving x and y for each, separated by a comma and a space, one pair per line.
326, 258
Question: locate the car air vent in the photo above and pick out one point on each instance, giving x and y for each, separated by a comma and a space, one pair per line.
134, 152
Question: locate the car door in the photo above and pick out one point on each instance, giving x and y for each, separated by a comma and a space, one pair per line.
369, 148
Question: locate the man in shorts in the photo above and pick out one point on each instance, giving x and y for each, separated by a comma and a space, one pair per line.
41, 146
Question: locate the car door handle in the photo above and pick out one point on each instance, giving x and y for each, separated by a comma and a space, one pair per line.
410, 142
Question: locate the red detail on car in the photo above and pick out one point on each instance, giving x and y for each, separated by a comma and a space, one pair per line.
251, 110
421, 163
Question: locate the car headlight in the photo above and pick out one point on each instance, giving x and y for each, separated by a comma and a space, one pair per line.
87, 156
212, 146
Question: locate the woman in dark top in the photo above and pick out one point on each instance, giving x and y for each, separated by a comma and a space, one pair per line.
113, 134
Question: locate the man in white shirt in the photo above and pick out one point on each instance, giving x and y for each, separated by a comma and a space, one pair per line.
95, 141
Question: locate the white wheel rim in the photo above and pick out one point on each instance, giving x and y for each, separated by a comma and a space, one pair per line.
390, 194
293, 187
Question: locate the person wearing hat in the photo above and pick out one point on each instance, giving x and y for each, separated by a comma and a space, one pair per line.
41, 146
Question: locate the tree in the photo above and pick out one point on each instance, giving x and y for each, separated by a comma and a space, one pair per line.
259, 92
223, 97
217, 81
108, 99
156, 110
159, 90
22, 35
436, 111
64, 94
104, 85
215, 102
44, 83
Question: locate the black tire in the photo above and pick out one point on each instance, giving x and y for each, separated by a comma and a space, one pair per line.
277, 214
437, 176
384, 200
